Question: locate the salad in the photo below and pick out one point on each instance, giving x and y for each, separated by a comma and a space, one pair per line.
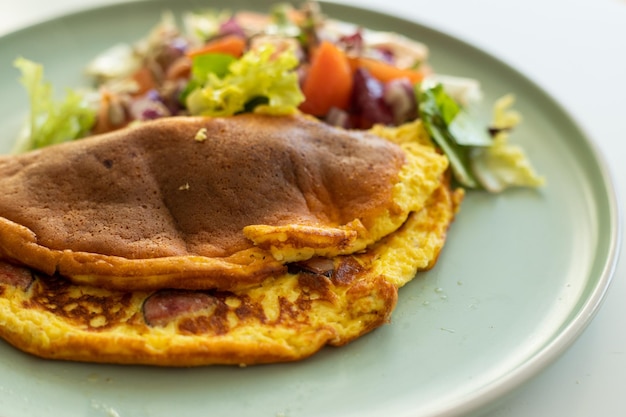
293, 59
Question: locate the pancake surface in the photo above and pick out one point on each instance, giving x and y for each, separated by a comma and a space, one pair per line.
200, 203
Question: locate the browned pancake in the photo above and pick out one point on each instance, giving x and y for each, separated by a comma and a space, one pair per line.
201, 203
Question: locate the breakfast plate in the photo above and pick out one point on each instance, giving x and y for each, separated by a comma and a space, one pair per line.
521, 275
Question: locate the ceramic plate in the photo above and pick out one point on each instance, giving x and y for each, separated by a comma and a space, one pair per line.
521, 276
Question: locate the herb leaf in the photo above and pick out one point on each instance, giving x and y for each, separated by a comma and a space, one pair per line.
437, 111
51, 121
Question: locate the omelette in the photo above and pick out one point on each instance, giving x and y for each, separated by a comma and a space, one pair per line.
288, 317
195, 241
204, 203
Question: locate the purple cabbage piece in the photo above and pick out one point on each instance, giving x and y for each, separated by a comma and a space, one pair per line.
169, 52
231, 27
148, 107
170, 96
180, 44
353, 43
368, 103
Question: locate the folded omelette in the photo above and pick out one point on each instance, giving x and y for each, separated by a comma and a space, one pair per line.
206, 203
197, 241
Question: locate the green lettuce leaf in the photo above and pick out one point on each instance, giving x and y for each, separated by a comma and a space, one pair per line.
215, 63
260, 81
477, 160
51, 121
437, 111
503, 165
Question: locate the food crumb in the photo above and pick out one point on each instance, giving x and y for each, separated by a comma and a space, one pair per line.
201, 135
184, 187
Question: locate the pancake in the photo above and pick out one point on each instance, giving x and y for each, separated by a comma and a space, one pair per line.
207, 203
288, 316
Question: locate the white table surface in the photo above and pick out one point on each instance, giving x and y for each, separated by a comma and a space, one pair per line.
576, 51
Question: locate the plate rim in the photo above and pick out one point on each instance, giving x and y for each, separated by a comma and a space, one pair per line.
500, 388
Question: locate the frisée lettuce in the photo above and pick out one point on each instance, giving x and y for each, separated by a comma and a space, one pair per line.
51, 121
261, 81
503, 164
477, 160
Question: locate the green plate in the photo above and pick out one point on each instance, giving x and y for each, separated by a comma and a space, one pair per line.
521, 276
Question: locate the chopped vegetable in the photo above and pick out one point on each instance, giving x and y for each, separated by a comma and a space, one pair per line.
437, 110
50, 121
233, 45
328, 81
477, 161
149, 107
468, 131
213, 63
386, 72
144, 80
503, 164
400, 97
368, 102
117, 61
111, 114
283, 18
257, 74
203, 25
231, 27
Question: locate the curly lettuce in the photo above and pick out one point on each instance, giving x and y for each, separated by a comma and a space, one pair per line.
261, 81
51, 121
503, 165
477, 160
